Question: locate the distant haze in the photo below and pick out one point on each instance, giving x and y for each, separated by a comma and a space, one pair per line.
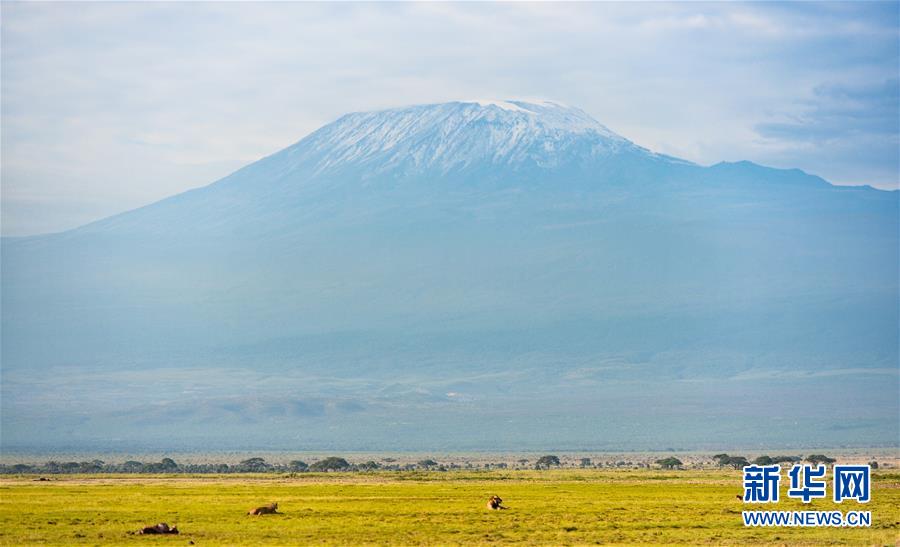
494, 274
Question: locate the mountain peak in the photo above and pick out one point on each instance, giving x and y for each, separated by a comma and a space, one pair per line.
504, 105
460, 135
552, 114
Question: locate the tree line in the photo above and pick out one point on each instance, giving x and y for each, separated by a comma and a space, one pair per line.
250, 465
335, 463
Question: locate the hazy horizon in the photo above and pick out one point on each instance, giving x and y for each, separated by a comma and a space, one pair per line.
672, 238
463, 276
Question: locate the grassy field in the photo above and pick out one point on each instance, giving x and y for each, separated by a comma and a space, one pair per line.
565, 507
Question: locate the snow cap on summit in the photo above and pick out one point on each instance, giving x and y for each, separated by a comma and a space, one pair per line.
449, 136
505, 105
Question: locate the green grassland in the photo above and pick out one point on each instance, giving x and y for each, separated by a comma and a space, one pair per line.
563, 507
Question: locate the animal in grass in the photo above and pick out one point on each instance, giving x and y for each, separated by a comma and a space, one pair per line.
270, 509
495, 503
161, 528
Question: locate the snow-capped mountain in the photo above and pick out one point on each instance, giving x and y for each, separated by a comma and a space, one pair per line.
385, 159
475, 274
439, 139
453, 136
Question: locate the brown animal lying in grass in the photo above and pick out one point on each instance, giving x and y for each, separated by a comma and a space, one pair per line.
495, 503
270, 509
161, 528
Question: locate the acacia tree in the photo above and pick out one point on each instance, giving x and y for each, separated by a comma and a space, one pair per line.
255, 465
546, 462
332, 463
816, 459
734, 461
785, 459
132, 466
670, 462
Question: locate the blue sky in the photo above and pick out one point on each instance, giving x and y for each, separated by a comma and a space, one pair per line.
106, 107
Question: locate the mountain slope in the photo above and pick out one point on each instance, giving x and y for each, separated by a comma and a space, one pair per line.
419, 149
444, 263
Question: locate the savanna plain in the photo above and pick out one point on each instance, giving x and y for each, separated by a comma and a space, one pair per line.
551, 507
